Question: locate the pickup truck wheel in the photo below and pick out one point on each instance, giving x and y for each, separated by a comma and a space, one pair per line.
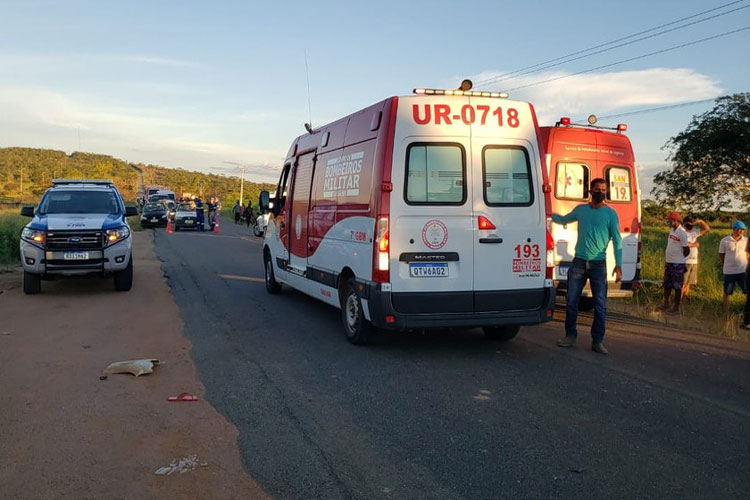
272, 286
32, 283
503, 333
124, 278
358, 330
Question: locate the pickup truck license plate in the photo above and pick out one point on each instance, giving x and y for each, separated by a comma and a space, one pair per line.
188, 221
76, 256
431, 270
154, 219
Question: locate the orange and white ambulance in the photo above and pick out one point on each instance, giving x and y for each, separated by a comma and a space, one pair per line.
576, 154
418, 212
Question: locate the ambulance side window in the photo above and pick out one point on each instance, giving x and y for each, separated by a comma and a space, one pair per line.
572, 181
507, 176
435, 174
281, 190
618, 183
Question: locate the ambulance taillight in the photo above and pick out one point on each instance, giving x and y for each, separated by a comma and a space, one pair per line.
549, 272
381, 265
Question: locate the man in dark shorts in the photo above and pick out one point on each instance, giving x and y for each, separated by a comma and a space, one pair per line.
674, 270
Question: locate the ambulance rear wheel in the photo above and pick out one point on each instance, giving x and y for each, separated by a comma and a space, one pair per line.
501, 332
586, 304
358, 330
272, 286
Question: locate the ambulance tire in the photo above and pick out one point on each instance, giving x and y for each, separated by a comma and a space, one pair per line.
503, 333
272, 286
358, 330
586, 304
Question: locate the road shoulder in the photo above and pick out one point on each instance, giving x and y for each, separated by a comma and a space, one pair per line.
66, 433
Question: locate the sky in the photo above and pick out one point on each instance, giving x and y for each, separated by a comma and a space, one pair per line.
197, 84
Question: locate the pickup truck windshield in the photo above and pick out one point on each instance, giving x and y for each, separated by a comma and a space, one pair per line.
79, 202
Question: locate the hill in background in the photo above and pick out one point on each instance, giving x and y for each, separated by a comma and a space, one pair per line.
25, 173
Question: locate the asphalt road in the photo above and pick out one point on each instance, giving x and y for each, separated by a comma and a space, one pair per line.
450, 414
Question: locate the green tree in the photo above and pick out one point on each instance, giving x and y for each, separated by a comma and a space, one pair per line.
710, 158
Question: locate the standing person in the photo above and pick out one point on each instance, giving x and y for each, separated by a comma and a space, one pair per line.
211, 212
243, 213
746, 319
249, 213
597, 225
199, 214
236, 210
693, 233
674, 270
734, 259
217, 210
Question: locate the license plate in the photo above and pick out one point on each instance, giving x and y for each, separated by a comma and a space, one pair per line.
187, 222
154, 220
424, 270
76, 256
562, 271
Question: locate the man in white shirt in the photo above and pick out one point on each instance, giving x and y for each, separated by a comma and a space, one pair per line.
734, 257
674, 269
693, 233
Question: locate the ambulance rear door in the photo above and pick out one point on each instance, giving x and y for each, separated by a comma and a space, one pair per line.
509, 236
432, 264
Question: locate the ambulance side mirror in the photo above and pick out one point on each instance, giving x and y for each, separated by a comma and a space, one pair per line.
263, 202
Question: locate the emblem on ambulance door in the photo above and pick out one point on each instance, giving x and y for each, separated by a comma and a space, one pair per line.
435, 234
298, 226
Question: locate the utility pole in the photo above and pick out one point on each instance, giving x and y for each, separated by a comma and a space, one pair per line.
21, 182
242, 177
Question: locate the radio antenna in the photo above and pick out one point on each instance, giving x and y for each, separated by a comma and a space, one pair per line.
309, 105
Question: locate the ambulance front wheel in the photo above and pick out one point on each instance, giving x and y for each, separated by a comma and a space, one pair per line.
501, 332
272, 286
358, 330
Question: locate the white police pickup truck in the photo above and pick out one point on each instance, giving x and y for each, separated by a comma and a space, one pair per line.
79, 227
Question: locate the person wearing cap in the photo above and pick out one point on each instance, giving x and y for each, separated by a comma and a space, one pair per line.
693, 233
676, 255
733, 252
746, 319
597, 225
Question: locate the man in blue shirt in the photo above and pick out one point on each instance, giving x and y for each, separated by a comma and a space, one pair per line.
597, 224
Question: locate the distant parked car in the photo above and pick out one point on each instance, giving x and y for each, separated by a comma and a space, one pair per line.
185, 217
154, 214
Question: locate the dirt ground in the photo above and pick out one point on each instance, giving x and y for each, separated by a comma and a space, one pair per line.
64, 433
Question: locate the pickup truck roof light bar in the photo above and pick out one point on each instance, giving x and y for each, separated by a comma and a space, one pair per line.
99, 182
467, 93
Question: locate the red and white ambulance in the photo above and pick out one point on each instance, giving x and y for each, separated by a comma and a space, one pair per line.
418, 212
576, 154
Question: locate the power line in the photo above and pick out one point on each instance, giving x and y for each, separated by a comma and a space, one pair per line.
616, 40
653, 110
642, 56
519, 73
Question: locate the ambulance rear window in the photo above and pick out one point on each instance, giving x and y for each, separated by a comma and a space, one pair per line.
435, 174
618, 183
572, 181
507, 176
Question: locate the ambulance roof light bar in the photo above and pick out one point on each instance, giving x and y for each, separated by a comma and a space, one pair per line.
467, 93
567, 122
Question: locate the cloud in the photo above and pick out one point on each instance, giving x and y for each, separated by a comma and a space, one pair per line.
157, 61
600, 93
40, 117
